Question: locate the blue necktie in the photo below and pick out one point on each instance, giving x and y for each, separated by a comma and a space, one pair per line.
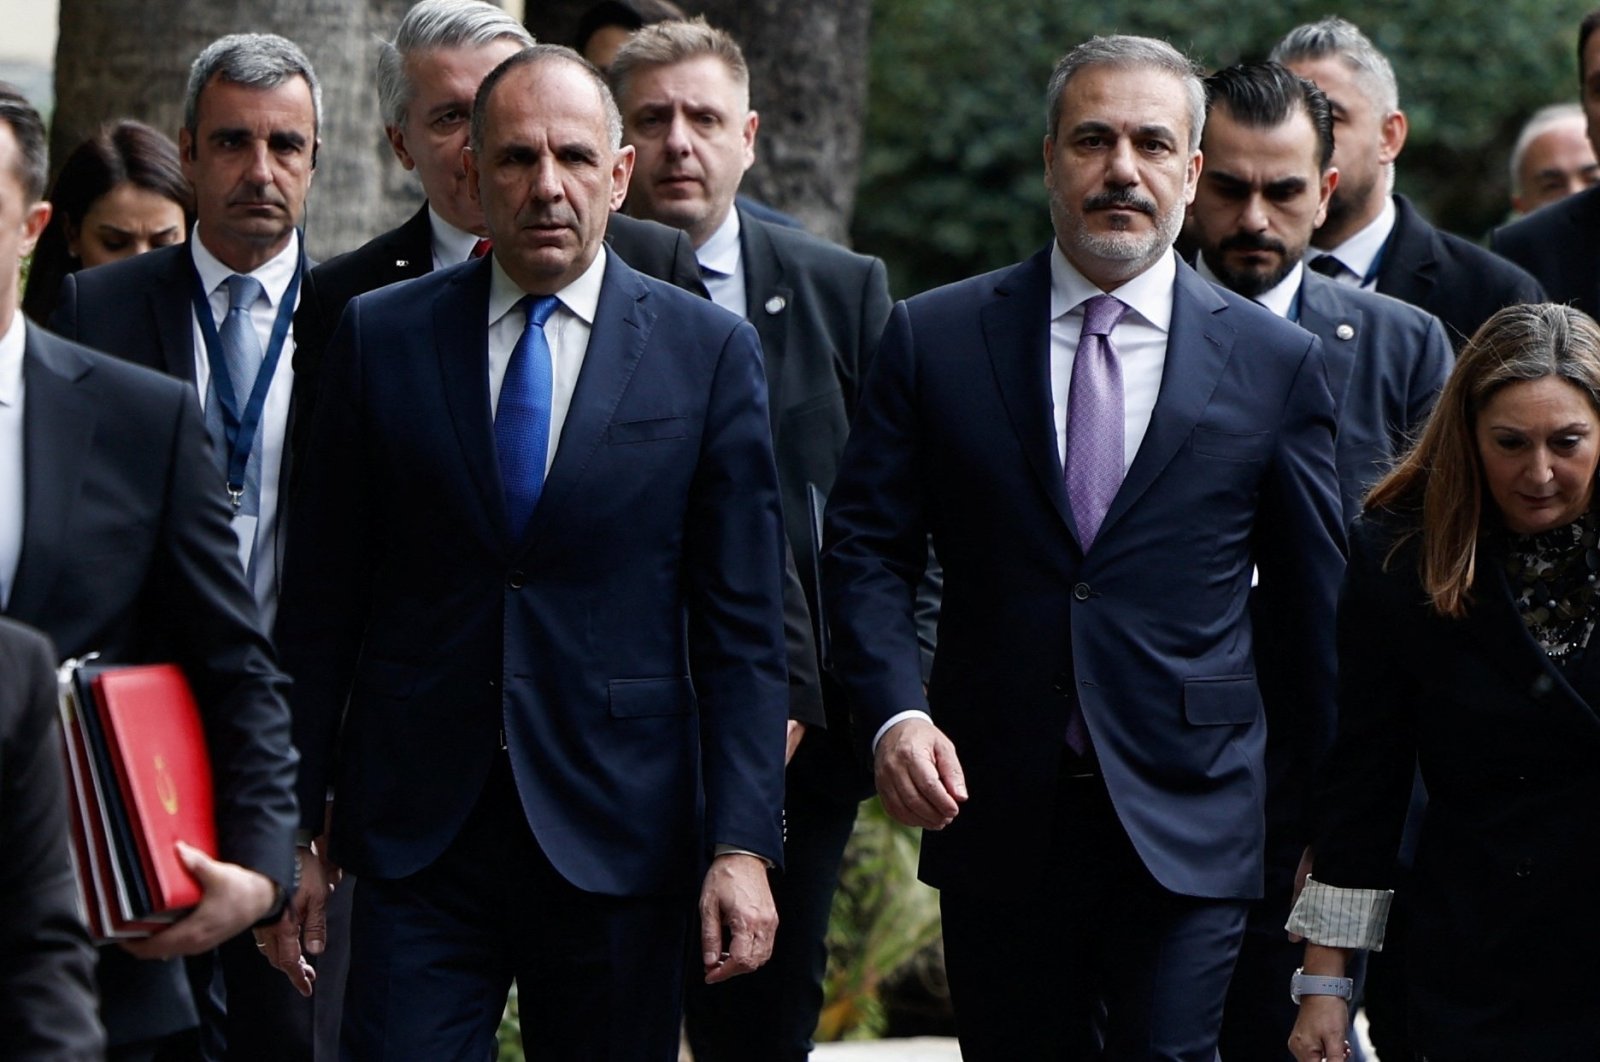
522, 418
241, 351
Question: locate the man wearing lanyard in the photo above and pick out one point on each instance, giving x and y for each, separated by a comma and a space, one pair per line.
1268, 147
217, 311
1374, 239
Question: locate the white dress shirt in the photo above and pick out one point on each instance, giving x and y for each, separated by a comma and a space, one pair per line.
1140, 341
567, 333
257, 535
451, 246
1360, 252
11, 485
1279, 298
722, 266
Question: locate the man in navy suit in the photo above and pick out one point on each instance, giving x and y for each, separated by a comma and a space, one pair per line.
1557, 244
1375, 239
533, 610
1105, 448
1268, 146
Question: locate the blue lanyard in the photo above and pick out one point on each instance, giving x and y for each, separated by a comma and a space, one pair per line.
239, 427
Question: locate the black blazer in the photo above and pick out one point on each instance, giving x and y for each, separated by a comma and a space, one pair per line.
127, 550
1503, 924
1458, 282
47, 1004
1557, 245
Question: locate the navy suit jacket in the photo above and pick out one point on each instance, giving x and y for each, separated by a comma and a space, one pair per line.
1149, 632
1458, 282
1557, 245
126, 551
1386, 363
628, 649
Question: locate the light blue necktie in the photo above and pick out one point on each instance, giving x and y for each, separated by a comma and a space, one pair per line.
241, 351
522, 418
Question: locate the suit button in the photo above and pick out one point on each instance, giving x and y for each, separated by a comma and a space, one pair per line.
1081, 591
515, 580
1062, 685
1525, 869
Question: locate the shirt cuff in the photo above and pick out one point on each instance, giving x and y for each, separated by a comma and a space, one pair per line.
898, 717
1341, 918
730, 849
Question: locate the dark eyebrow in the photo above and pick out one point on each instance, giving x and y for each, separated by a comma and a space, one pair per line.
1286, 185
1226, 181
1159, 132
286, 138
1092, 128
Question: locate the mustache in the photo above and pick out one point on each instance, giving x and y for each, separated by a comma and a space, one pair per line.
1120, 199
268, 196
545, 217
1252, 241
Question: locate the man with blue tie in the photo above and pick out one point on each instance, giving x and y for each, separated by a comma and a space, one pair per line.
533, 610
1105, 448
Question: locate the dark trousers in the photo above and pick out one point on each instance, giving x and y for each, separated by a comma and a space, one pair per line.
1098, 962
433, 955
771, 1014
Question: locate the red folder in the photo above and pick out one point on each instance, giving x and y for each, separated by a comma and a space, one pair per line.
140, 782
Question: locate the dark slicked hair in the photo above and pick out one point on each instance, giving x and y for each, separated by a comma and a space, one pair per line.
27, 128
1264, 95
1586, 28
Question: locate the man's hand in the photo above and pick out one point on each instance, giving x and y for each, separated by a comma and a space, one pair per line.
232, 899
918, 775
303, 929
736, 898
797, 730
1320, 1031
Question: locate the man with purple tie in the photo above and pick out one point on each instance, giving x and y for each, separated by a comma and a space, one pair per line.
1106, 450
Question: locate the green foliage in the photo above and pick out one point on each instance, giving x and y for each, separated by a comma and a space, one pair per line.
952, 176
882, 917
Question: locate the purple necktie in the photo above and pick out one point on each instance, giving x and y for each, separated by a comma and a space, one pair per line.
1094, 464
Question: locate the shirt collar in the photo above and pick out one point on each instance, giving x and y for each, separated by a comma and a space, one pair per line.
1149, 294
1278, 298
11, 347
274, 274
720, 253
581, 297
450, 244
1361, 250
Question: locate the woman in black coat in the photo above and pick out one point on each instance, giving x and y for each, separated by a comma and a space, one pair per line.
1466, 626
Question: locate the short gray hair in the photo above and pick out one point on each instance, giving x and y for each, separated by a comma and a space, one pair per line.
1123, 52
1334, 36
437, 24
1544, 119
255, 60
537, 55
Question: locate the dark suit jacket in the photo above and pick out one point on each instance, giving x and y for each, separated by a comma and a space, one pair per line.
1557, 245
141, 309
47, 1004
127, 551
1148, 633
406, 253
819, 310
629, 645
1502, 921
1386, 363
1458, 282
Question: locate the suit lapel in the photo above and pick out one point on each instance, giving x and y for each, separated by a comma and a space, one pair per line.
411, 253
1016, 331
622, 324
1199, 343
170, 304
58, 428
1323, 313
461, 343
1409, 258
767, 303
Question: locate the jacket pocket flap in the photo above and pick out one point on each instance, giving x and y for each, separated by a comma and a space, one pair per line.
1222, 701
636, 698
636, 431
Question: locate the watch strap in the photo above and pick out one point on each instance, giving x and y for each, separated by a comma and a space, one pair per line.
1304, 984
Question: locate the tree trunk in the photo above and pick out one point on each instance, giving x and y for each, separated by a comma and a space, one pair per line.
130, 59
808, 80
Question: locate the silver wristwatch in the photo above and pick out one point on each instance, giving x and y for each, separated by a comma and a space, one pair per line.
1304, 984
